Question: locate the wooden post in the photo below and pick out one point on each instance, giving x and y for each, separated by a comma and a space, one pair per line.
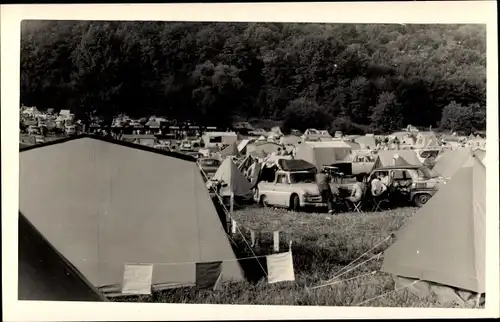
276, 241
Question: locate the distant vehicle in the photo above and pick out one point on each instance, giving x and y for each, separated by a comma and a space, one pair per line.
164, 147
209, 166
70, 130
417, 184
33, 129
186, 145
39, 139
195, 155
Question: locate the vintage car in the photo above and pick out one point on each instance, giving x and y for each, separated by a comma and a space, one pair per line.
292, 190
415, 184
208, 166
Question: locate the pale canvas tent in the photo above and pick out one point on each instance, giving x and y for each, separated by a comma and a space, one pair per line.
230, 150
442, 248
323, 153
426, 140
276, 130
44, 274
387, 158
353, 145
290, 140
236, 182
451, 161
153, 124
242, 146
366, 142
260, 148
113, 203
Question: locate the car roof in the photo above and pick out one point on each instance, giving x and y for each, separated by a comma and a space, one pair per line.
401, 167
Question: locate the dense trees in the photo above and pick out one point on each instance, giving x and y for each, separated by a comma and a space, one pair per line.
343, 77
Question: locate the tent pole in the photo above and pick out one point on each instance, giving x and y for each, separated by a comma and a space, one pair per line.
231, 211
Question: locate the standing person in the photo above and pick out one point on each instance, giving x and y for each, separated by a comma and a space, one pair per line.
323, 182
251, 169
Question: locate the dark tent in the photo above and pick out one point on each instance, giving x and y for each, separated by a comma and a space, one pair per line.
44, 274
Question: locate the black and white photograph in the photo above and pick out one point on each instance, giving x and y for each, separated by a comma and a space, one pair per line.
327, 164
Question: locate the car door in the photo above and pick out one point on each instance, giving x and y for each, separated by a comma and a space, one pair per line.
277, 188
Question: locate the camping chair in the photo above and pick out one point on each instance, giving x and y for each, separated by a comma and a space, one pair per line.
379, 200
358, 206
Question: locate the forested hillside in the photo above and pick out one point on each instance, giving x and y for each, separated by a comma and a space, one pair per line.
352, 77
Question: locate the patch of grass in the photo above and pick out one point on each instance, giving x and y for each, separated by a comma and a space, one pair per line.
322, 245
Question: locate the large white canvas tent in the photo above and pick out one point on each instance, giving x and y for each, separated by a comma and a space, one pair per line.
235, 180
442, 248
323, 153
263, 148
44, 274
103, 203
451, 161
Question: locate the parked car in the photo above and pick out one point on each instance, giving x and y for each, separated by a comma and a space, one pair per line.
209, 166
292, 190
416, 184
195, 155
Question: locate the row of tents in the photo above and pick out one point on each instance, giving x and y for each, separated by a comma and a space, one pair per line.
114, 202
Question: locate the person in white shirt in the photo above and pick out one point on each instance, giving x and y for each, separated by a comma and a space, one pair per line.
357, 191
379, 185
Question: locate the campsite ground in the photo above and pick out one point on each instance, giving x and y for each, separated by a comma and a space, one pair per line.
322, 245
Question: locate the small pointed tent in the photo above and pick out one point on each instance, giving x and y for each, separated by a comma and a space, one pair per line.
230, 150
153, 124
125, 203
236, 182
396, 157
444, 242
44, 274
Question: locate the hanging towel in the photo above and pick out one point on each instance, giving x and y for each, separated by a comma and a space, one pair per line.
208, 274
137, 279
280, 268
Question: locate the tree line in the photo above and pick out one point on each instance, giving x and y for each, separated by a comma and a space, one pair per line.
350, 77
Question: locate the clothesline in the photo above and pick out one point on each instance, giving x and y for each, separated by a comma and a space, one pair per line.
230, 216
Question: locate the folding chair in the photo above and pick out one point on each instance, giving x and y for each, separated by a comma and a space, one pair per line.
378, 201
358, 206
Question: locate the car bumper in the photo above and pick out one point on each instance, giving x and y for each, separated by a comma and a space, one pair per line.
312, 204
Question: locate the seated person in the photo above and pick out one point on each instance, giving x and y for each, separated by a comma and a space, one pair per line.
378, 186
357, 191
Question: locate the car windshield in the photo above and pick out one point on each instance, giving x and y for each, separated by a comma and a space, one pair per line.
210, 162
302, 177
426, 173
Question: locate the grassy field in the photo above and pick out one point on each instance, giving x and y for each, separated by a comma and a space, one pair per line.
322, 245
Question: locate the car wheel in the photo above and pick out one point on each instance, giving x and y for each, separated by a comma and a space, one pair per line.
421, 199
263, 200
294, 202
